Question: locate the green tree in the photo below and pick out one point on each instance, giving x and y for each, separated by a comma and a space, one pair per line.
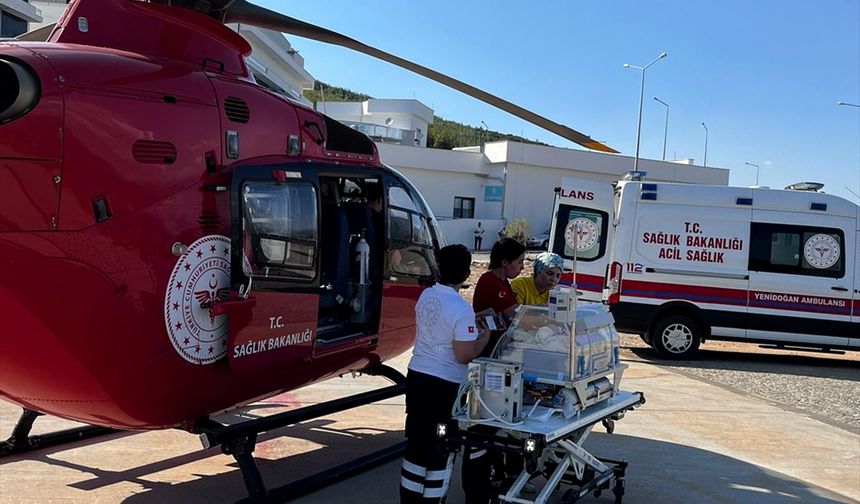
518, 229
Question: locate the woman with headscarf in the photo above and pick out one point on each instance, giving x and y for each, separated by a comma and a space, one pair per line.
534, 290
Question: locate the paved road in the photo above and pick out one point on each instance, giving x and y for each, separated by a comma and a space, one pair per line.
691, 442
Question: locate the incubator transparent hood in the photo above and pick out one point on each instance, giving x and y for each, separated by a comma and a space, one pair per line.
566, 346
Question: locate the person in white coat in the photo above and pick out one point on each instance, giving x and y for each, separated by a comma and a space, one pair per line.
447, 339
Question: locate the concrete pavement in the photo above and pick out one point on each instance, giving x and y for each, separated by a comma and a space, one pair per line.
691, 442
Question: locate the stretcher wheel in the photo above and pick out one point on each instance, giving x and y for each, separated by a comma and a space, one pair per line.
618, 490
609, 425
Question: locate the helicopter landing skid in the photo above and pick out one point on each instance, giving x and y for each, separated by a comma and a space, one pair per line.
20, 440
240, 439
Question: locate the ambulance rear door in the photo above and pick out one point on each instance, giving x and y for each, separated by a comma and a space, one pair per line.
583, 214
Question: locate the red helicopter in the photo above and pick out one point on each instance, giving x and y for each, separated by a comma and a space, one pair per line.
176, 240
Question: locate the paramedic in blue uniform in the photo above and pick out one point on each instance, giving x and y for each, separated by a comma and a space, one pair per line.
447, 339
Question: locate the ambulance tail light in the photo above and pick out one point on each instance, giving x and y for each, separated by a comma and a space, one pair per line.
613, 283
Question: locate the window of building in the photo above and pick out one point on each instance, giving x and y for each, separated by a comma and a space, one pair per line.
280, 230
11, 26
411, 244
464, 208
797, 250
583, 226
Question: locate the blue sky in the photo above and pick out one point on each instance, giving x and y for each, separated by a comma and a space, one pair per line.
763, 75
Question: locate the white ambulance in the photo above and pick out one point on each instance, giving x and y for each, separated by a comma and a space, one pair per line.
686, 262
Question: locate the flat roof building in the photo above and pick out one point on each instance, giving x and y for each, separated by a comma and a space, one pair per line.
504, 180
16, 16
401, 122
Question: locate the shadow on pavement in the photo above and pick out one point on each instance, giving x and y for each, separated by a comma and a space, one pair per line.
659, 472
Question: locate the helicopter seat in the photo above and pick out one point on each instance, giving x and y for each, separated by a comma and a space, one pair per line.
335, 256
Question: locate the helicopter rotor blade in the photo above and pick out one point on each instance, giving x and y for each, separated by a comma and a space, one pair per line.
241, 11
37, 35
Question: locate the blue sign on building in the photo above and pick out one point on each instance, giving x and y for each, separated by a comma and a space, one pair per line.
493, 193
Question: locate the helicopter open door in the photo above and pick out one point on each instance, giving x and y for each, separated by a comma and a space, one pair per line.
275, 263
413, 238
351, 253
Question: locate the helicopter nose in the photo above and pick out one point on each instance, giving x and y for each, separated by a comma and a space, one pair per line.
20, 91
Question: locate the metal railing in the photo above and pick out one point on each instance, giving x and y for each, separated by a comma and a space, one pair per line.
383, 133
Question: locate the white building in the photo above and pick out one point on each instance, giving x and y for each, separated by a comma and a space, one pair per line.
511, 179
274, 62
17, 17
392, 121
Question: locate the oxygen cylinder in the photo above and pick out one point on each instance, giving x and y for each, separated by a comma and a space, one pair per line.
361, 291
362, 256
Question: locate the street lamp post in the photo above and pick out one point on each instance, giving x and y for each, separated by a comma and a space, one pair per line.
483, 134
756, 172
849, 105
666, 127
706, 144
641, 97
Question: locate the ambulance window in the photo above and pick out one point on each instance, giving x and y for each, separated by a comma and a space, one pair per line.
783, 249
797, 250
279, 229
410, 243
584, 226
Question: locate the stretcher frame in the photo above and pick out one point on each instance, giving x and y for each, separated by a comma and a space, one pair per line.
554, 443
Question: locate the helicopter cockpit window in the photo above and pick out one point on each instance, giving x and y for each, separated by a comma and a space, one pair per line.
397, 196
411, 251
280, 230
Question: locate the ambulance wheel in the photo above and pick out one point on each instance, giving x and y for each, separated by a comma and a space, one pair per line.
675, 337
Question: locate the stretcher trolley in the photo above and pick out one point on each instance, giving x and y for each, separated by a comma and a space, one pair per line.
554, 374
551, 447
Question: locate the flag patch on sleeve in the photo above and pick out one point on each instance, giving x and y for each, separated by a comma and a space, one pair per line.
471, 329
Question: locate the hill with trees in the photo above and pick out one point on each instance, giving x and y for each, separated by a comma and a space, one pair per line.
442, 134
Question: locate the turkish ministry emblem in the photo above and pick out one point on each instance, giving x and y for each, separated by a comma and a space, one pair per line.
821, 251
580, 232
200, 278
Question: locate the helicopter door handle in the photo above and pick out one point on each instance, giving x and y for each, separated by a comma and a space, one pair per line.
840, 289
231, 305
245, 290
